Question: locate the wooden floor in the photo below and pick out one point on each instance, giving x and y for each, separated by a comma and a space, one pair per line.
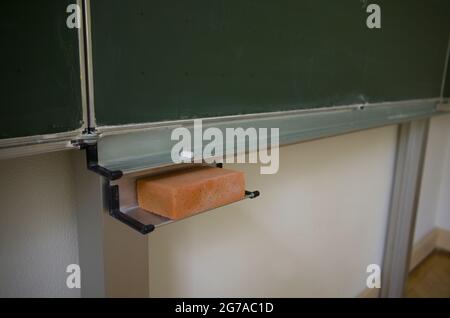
431, 278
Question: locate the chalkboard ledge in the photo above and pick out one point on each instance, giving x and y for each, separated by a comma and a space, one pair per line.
134, 148
33, 145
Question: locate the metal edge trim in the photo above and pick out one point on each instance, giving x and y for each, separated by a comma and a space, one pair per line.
128, 128
84, 101
89, 63
10, 146
28, 146
444, 75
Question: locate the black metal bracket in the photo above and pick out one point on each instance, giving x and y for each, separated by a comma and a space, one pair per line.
112, 191
92, 163
114, 211
252, 194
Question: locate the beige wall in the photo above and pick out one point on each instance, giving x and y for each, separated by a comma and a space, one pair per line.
38, 237
317, 225
434, 203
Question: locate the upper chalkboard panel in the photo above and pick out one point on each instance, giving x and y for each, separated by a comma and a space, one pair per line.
175, 59
40, 91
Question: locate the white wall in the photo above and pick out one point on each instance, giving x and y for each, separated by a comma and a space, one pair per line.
317, 225
443, 210
38, 237
434, 203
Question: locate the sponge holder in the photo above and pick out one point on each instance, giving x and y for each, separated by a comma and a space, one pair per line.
129, 212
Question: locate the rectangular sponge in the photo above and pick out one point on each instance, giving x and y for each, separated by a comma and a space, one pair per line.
185, 192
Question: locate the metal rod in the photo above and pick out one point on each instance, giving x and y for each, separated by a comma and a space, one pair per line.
403, 207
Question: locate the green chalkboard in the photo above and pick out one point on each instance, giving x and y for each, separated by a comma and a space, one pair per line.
40, 91
175, 59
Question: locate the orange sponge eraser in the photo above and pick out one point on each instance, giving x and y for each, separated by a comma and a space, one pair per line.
185, 192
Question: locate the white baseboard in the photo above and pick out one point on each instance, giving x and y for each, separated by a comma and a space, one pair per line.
443, 239
423, 248
370, 293
437, 239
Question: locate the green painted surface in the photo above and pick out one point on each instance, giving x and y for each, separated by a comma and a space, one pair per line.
40, 91
175, 59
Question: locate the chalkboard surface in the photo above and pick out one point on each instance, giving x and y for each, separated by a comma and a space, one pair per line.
40, 91
175, 59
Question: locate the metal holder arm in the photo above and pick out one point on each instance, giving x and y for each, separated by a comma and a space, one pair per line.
114, 211
92, 163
